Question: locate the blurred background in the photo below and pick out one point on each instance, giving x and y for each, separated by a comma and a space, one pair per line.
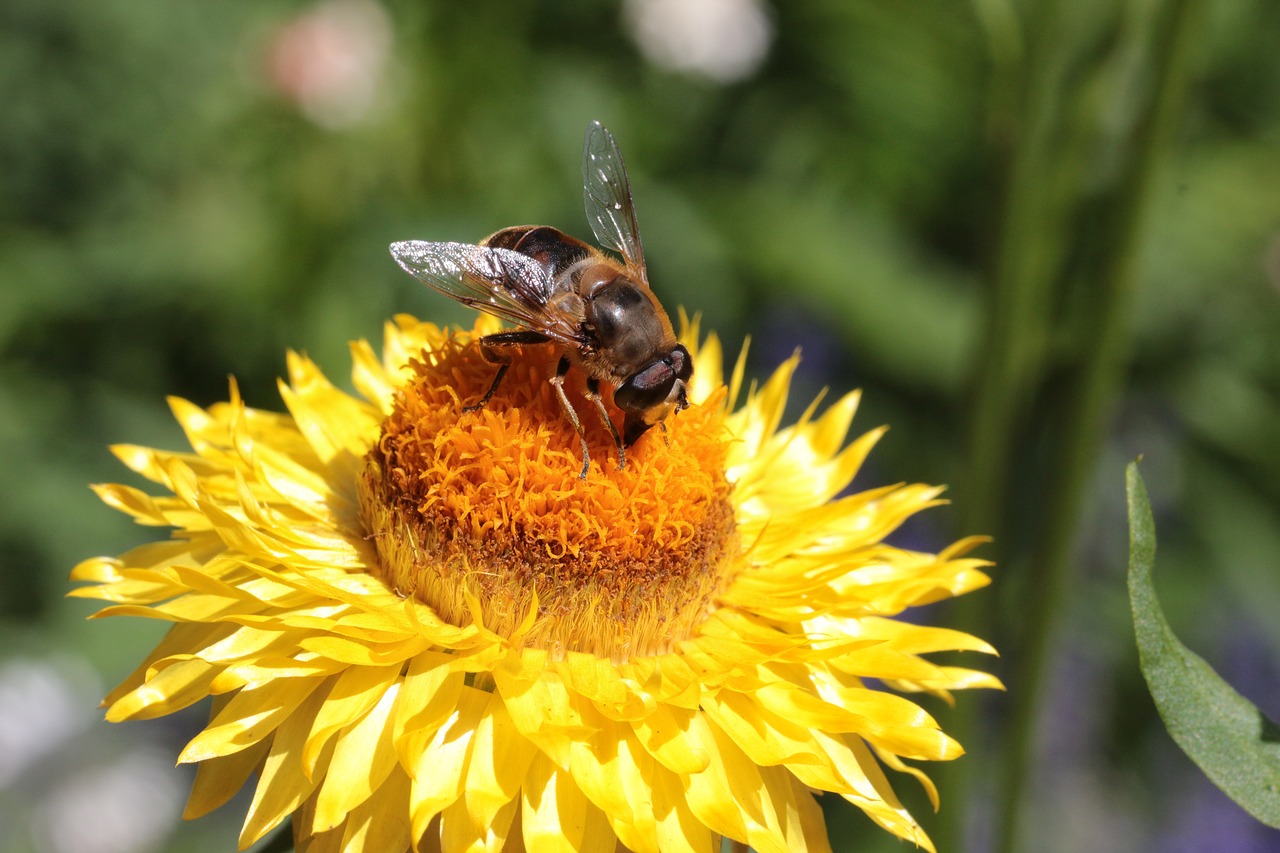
1043, 237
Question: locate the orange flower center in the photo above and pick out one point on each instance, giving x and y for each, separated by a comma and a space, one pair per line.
488, 505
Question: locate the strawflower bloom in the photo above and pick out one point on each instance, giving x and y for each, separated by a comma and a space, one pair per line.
421, 631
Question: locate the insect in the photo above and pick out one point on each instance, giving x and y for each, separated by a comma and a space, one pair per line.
600, 313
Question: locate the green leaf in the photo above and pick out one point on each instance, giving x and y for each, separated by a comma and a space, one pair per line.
1234, 743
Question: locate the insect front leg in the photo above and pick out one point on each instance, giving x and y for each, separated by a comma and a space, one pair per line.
558, 381
593, 394
492, 346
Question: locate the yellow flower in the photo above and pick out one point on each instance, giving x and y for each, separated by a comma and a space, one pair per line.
422, 631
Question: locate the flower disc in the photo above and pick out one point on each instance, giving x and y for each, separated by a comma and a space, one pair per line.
487, 506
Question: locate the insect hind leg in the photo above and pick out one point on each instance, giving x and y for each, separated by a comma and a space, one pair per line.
492, 346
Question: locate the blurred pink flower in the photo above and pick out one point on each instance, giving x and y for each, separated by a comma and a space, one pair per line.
330, 61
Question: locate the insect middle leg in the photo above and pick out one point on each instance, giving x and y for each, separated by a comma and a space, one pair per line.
593, 394
558, 381
492, 346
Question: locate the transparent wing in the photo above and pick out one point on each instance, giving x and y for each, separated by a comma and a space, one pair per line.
501, 282
606, 193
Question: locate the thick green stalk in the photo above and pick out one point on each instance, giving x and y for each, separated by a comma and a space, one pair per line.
1026, 257
1026, 74
1097, 384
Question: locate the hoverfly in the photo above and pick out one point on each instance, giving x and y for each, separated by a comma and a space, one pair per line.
600, 313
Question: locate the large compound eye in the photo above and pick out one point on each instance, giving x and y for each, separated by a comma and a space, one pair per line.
647, 389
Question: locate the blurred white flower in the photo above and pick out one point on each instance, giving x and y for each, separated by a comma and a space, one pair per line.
722, 40
61, 794
331, 60
128, 806
42, 706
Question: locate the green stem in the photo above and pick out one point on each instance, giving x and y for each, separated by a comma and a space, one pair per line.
1021, 125
1098, 383
1022, 275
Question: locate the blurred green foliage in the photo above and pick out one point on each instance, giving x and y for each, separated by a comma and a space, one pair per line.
883, 190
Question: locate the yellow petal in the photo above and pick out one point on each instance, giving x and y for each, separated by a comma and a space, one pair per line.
767, 739
758, 420
338, 428
355, 692
635, 768
157, 465
459, 833
369, 377
714, 801
665, 734
429, 693
853, 760
677, 828
247, 641
595, 678
543, 710
301, 485
809, 447
556, 816
593, 764
382, 822
913, 639
305, 841
376, 825
441, 768
841, 709
98, 570
892, 761
250, 716
134, 502
283, 785
363, 757
610, 769
358, 653
269, 668
218, 779
175, 686
872, 791
675, 682
800, 816
499, 759
735, 781
708, 359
